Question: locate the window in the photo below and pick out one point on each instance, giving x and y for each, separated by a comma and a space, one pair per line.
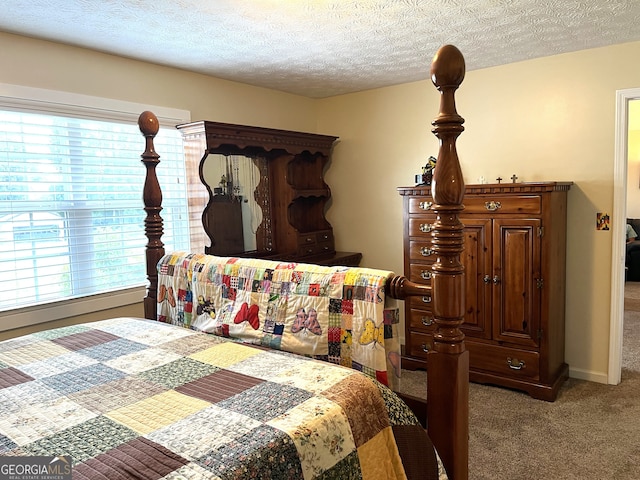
71, 211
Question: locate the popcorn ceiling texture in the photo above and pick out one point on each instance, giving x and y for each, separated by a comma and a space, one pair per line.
321, 48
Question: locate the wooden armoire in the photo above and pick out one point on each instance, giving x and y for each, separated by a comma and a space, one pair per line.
514, 262
291, 192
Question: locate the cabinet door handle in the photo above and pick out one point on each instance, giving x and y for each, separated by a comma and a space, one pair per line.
496, 280
486, 279
426, 205
427, 321
426, 227
426, 274
515, 364
426, 251
492, 206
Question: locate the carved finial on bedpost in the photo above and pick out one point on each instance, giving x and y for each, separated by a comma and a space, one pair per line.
152, 197
447, 73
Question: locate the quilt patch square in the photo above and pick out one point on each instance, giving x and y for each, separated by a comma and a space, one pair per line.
145, 332
218, 386
6, 444
61, 332
35, 422
312, 376
82, 378
264, 449
156, 412
192, 344
86, 339
31, 353
178, 372
56, 365
113, 349
116, 394
265, 401
204, 431
12, 376
14, 398
225, 354
365, 408
268, 365
142, 360
320, 431
149, 460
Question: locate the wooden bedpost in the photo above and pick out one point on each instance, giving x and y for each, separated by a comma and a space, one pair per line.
448, 362
152, 197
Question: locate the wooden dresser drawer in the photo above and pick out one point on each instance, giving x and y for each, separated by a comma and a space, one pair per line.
420, 302
420, 273
497, 204
421, 320
510, 362
421, 225
421, 250
420, 204
419, 344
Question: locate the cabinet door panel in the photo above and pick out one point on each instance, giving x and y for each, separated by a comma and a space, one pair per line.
516, 277
476, 259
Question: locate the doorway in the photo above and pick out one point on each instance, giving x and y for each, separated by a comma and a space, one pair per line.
627, 116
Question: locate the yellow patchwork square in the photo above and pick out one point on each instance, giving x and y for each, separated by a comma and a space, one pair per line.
32, 353
379, 457
158, 411
225, 354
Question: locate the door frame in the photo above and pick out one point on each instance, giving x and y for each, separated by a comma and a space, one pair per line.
623, 97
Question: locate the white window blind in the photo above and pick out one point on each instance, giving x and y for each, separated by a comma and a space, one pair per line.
71, 210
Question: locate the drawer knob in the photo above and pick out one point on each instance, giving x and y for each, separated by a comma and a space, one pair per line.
515, 364
426, 205
426, 274
426, 251
427, 321
426, 299
425, 347
426, 227
492, 206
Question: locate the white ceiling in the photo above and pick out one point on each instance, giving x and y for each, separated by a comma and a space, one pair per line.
320, 48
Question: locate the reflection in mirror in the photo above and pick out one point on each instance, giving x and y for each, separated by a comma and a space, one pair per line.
233, 215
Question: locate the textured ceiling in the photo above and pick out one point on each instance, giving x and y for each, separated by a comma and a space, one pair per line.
320, 48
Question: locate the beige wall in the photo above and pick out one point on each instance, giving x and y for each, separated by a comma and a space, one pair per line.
544, 119
633, 164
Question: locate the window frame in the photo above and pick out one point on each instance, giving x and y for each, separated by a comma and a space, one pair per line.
38, 100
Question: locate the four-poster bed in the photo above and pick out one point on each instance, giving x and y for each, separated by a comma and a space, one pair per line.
182, 382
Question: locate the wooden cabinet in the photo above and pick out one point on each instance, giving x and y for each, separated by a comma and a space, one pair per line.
514, 260
290, 192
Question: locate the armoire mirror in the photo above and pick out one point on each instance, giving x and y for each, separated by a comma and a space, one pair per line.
266, 192
233, 216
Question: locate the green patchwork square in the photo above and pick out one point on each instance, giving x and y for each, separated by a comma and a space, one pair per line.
178, 372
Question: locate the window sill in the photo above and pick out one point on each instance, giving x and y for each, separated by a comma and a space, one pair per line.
28, 316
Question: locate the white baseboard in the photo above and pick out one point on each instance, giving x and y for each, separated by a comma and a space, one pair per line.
581, 374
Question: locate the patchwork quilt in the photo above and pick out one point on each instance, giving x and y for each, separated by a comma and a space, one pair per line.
337, 314
128, 398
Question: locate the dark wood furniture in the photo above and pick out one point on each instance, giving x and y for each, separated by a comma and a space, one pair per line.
447, 412
514, 259
291, 191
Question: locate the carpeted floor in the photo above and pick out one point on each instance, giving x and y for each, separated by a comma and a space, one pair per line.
592, 431
632, 296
